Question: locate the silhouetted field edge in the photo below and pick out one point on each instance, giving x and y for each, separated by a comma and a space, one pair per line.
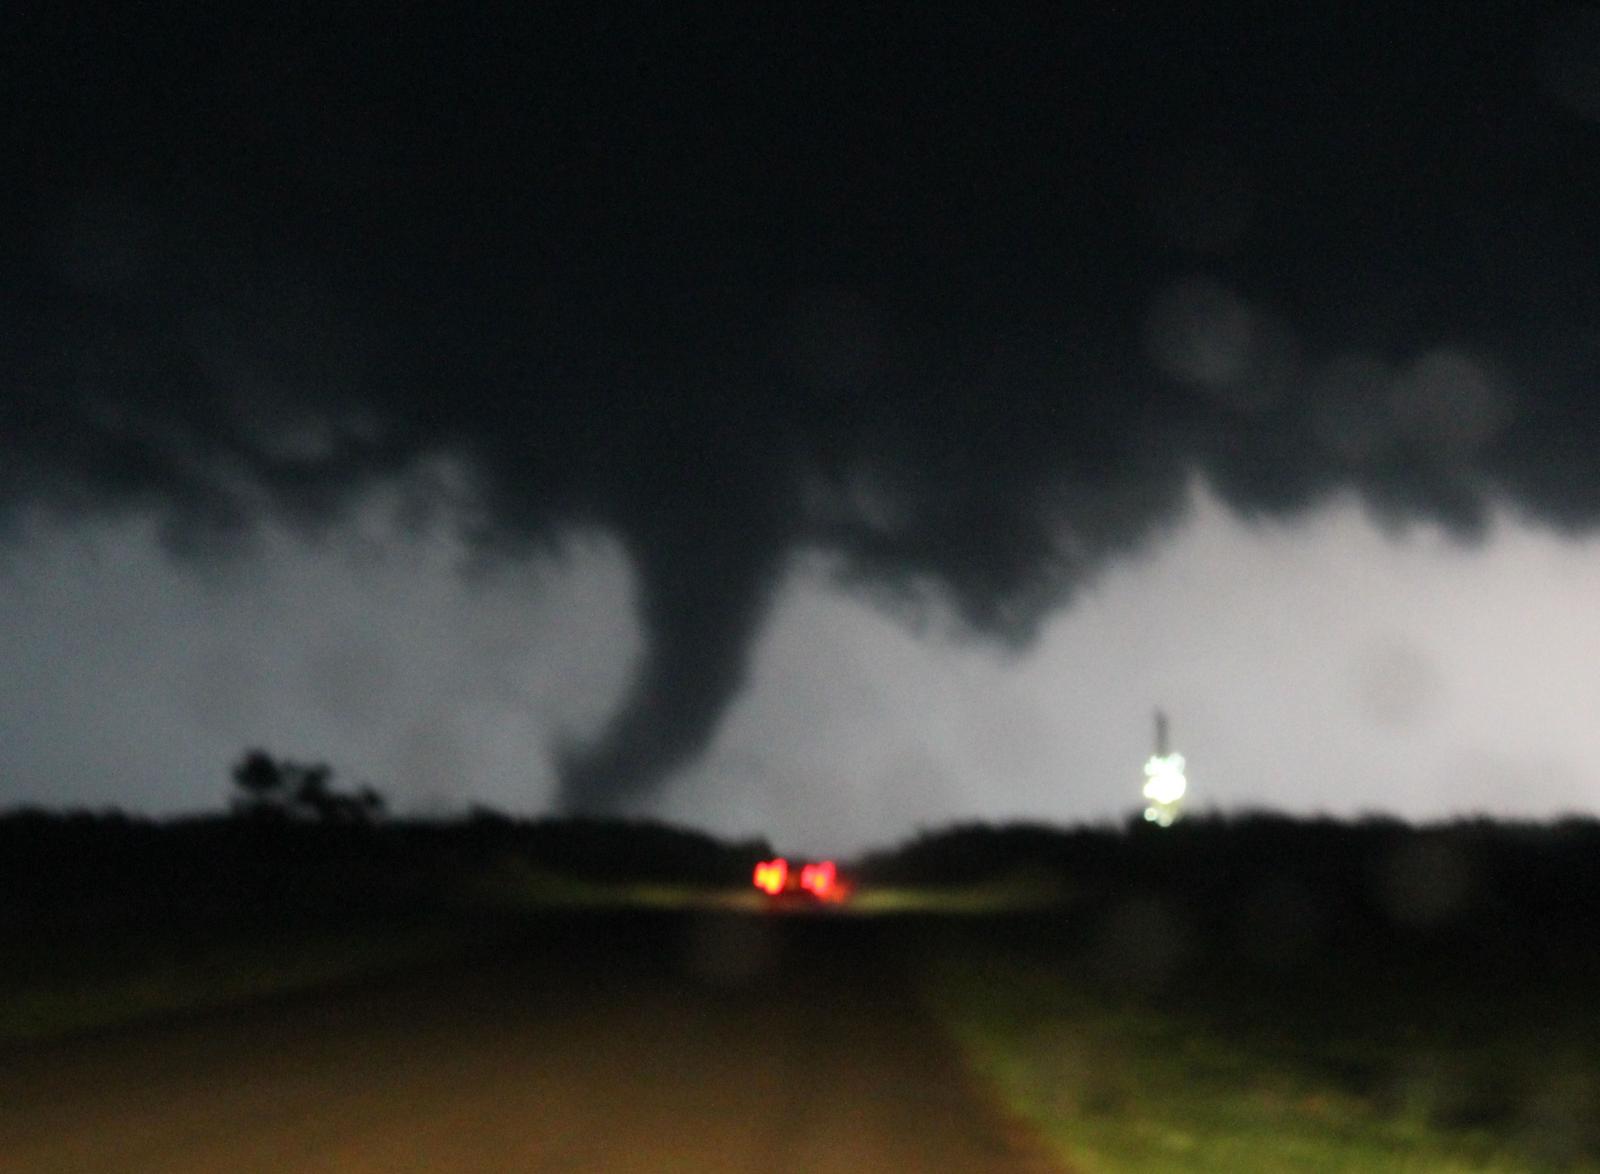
81, 873
1264, 992
102, 902
110, 918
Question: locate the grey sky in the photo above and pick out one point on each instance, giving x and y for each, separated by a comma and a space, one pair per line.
132, 678
1323, 666
959, 306
959, 303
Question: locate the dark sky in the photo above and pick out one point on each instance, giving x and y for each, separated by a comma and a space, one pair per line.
957, 316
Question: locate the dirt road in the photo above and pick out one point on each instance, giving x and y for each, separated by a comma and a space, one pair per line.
665, 1043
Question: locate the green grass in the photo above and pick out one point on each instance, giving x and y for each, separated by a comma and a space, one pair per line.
88, 982
90, 988
1022, 891
53, 989
1116, 1083
513, 884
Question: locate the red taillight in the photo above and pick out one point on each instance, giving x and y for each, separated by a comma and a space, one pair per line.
818, 879
772, 876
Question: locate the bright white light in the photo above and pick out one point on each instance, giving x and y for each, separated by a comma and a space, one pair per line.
1164, 787
1164, 783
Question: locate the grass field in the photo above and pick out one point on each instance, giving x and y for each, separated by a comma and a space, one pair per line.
89, 986
1338, 1073
87, 982
1256, 994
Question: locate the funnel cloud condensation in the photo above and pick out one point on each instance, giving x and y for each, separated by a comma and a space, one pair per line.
935, 311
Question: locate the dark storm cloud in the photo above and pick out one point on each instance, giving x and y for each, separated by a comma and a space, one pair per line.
964, 303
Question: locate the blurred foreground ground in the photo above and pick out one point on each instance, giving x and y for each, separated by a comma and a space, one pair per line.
582, 1042
1251, 994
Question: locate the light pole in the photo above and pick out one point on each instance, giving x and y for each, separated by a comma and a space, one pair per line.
1164, 785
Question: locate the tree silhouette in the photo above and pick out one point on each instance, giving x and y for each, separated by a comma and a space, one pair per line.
313, 792
369, 803
283, 788
262, 782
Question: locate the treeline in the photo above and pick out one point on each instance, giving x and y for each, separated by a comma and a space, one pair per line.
77, 871
1289, 887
